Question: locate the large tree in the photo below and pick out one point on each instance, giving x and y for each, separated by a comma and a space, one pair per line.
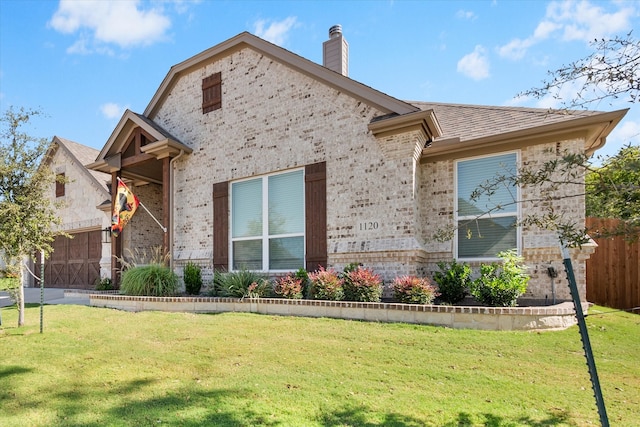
27, 216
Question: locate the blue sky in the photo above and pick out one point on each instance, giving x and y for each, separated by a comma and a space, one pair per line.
82, 62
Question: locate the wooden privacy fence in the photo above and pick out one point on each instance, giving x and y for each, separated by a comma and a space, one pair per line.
613, 277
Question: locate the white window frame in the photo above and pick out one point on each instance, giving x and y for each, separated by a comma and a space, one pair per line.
457, 218
265, 221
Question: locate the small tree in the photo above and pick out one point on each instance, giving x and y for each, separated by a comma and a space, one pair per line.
27, 216
609, 72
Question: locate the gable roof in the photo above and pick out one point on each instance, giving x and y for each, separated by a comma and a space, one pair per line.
82, 155
385, 103
128, 122
466, 127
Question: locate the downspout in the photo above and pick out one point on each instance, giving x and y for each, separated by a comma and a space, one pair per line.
171, 208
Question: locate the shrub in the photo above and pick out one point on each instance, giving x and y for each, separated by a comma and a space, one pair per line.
241, 284
10, 283
303, 275
150, 280
362, 285
192, 278
289, 287
326, 285
104, 284
453, 281
413, 290
500, 285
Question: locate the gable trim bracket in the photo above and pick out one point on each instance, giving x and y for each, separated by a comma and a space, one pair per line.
165, 148
423, 121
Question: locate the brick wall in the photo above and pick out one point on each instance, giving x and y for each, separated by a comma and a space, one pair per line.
142, 229
540, 247
382, 205
82, 195
273, 119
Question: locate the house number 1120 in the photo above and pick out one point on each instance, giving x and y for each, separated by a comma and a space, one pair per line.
371, 225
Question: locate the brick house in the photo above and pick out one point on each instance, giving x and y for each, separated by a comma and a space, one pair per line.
78, 262
254, 157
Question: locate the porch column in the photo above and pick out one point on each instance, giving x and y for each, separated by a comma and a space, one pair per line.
166, 194
116, 242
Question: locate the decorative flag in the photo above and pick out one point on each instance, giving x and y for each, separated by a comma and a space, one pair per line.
125, 206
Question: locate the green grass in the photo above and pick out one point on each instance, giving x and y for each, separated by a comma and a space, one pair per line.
96, 367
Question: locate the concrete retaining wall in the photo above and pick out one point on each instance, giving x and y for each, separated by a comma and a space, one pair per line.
555, 317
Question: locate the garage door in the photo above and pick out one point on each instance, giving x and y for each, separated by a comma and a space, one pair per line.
74, 263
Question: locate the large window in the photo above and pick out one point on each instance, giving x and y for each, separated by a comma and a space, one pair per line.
267, 222
486, 221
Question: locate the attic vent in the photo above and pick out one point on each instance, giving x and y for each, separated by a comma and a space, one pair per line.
335, 51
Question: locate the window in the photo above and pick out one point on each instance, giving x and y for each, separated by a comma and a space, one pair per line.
487, 224
60, 185
211, 93
268, 222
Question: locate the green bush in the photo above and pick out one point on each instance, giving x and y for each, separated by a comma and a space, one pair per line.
192, 278
241, 284
303, 275
500, 285
453, 281
362, 285
104, 284
289, 286
149, 280
413, 290
325, 285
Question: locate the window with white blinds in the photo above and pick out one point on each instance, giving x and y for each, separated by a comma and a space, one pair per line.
267, 222
486, 221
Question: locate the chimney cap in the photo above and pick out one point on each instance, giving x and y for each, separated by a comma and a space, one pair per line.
335, 31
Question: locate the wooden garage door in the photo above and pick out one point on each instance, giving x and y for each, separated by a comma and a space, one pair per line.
74, 263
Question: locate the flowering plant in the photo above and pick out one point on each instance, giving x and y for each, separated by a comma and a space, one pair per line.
289, 287
258, 289
325, 284
363, 285
413, 290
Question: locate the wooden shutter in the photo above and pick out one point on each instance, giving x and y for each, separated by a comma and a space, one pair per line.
211, 93
60, 185
315, 184
221, 226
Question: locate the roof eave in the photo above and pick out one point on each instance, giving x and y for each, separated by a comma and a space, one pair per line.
423, 120
593, 128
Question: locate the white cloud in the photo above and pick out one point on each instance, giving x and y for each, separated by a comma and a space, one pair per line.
572, 20
276, 32
517, 101
466, 14
475, 65
112, 110
123, 23
515, 49
582, 20
627, 132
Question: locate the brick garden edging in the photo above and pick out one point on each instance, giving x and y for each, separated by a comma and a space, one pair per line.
557, 317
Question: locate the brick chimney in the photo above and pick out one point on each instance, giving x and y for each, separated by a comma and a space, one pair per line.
335, 51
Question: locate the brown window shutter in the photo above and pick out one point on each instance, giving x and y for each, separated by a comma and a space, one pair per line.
211, 93
221, 226
60, 185
315, 184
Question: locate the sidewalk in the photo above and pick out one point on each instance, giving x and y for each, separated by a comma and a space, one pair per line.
51, 296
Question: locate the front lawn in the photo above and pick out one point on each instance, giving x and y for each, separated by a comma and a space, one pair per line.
96, 367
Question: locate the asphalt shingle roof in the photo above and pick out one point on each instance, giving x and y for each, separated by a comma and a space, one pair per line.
86, 155
469, 122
